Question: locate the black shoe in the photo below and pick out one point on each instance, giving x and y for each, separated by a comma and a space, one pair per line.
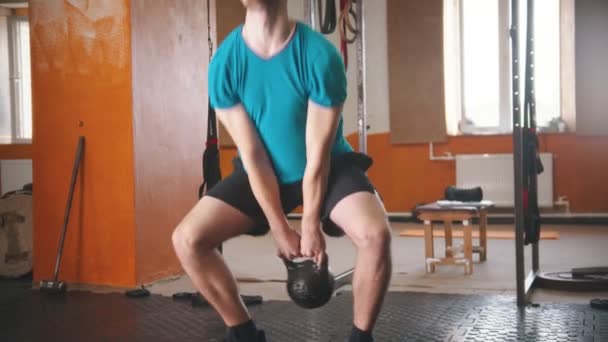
259, 337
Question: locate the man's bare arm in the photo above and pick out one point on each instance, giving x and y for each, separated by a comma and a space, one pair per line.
261, 175
321, 126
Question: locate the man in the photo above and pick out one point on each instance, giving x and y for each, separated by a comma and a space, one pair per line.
279, 87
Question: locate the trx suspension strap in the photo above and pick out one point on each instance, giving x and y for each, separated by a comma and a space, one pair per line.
347, 16
211, 157
329, 21
531, 161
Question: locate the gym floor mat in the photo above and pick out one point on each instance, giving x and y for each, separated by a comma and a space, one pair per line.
27, 315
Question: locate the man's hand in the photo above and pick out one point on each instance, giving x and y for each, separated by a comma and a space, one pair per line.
312, 244
321, 128
287, 241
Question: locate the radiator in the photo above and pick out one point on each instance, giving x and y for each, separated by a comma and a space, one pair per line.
14, 174
494, 173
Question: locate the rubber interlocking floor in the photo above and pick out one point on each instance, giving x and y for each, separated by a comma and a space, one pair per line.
27, 315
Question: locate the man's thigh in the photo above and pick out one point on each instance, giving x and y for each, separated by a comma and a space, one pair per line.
213, 221
353, 204
235, 192
361, 216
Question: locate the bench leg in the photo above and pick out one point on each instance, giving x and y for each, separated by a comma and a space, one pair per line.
468, 246
483, 233
448, 239
428, 246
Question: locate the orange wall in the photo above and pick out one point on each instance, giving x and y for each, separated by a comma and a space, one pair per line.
81, 73
405, 176
15, 151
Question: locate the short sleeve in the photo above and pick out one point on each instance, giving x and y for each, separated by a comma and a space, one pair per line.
328, 79
222, 93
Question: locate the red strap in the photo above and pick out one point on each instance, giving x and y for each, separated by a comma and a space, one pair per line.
343, 44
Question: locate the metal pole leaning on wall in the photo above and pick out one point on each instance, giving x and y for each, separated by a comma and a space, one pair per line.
518, 170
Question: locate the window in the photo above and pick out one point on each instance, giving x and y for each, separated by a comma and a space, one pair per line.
478, 57
480, 62
20, 81
547, 63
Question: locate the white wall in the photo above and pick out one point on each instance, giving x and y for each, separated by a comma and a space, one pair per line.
376, 67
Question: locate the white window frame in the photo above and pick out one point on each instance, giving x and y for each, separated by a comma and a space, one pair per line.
15, 79
504, 74
454, 68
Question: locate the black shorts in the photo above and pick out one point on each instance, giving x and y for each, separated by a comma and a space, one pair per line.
347, 176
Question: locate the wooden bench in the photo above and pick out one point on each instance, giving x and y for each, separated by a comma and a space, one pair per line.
448, 214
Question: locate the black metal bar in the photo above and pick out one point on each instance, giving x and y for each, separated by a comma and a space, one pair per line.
344, 279
530, 124
518, 170
535, 257
530, 96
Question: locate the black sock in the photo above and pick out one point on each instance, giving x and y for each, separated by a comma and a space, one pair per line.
244, 332
358, 335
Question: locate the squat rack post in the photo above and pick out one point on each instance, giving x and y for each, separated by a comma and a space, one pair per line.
518, 170
530, 121
525, 283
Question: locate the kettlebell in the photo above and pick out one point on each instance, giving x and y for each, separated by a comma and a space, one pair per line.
309, 286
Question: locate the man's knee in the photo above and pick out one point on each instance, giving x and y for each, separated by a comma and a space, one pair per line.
191, 240
373, 237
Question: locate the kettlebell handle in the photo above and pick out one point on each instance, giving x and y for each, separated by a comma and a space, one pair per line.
290, 264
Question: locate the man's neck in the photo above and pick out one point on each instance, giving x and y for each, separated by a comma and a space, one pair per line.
267, 30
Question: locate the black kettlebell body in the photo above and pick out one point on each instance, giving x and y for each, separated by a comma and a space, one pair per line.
308, 285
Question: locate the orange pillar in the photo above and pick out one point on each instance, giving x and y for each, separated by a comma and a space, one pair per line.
132, 80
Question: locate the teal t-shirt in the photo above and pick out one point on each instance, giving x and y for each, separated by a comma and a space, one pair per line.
275, 92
